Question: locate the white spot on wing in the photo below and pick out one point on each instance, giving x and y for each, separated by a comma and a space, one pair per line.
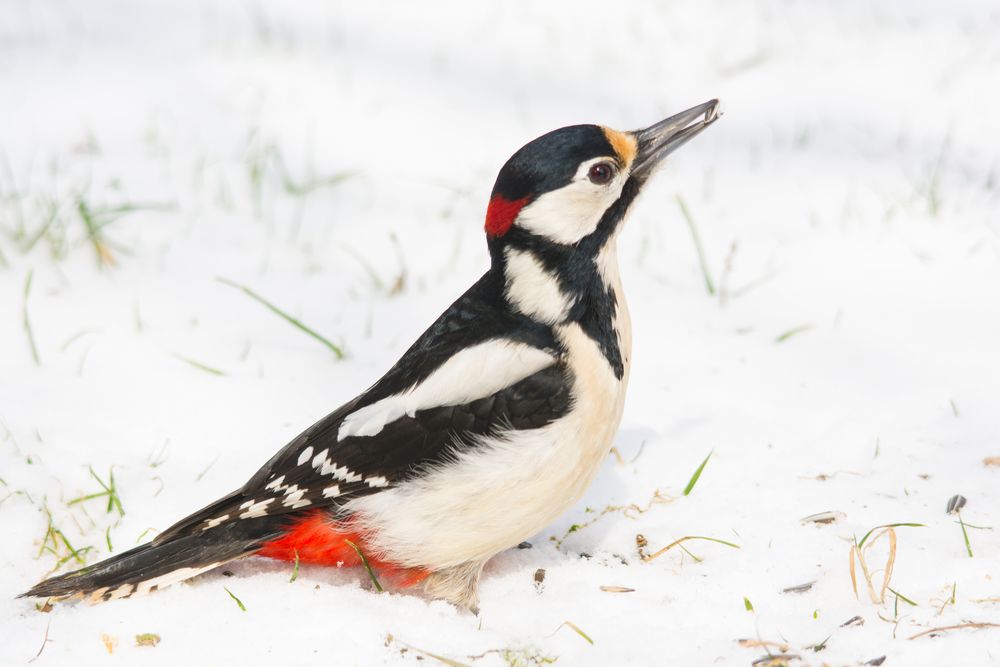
319, 458
255, 509
121, 592
98, 595
294, 499
331, 491
172, 577
212, 523
472, 373
306, 453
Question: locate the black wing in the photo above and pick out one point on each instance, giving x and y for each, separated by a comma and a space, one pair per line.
316, 470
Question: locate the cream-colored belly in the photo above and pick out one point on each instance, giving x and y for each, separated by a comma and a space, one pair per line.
506, 489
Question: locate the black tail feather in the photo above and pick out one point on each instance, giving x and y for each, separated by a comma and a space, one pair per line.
156, 565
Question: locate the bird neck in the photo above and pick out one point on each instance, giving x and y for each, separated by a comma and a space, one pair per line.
558, 286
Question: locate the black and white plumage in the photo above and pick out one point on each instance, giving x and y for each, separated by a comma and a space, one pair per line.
488, 427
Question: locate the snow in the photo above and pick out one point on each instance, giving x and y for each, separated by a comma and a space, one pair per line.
849, 207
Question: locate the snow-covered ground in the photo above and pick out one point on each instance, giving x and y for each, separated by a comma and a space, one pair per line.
336, 157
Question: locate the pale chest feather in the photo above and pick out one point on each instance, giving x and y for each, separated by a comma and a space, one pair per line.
507, 488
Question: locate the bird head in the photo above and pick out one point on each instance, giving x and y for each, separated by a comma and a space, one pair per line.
573, 186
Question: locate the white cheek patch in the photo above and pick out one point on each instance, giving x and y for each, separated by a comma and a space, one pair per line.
572, 212
473, 373
533, 290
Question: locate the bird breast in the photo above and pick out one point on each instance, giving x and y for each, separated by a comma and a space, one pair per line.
508, 486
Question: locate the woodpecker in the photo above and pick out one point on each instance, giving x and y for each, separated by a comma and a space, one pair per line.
490, 425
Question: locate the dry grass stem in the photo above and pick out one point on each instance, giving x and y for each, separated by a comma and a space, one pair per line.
859, 552
780, 647
961, 626
631, 511
680, 541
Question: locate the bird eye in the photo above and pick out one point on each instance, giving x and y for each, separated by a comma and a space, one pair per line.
601, 173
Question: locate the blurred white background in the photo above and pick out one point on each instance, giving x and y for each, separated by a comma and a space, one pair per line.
336, 158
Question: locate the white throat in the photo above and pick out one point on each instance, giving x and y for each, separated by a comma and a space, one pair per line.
533, 290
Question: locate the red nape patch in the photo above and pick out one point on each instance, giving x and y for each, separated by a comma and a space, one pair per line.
319, 540
501, 213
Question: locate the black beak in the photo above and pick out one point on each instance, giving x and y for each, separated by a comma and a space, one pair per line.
661, 139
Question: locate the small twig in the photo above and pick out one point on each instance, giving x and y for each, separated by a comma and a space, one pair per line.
440, 658
630, 511
685, 539
961, 626
45, 640
763, 643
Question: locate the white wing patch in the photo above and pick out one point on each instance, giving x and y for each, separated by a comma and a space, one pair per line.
508, 487
143, 587
473, 373
294, 499
255, 509
304, 456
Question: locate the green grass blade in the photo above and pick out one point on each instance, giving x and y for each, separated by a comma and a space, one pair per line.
295, 568
697, 474
29, 332
965, 535
794, 331
239, 602
336, 349
576, 628
702, 262
364, 561
200, 366
888, 525
902, 597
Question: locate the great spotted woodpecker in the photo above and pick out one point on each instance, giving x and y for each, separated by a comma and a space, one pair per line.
490, 425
